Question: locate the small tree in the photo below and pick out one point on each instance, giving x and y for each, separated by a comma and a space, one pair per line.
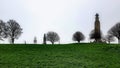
35, 40
78, 36
13, 30
52, 37
109, 38
44, 39
115, 31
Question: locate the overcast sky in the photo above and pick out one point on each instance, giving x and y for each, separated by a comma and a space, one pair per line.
65, 17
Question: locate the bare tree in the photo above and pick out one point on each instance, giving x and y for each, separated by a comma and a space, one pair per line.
115, 31
78, 36
13, 30
109, 38
35, 40
3, 30
52, 37
44, 39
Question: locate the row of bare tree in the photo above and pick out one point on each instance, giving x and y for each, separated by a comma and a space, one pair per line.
12, 30
79, 36
54, 37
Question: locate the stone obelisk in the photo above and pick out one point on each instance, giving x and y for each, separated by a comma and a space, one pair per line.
97, 28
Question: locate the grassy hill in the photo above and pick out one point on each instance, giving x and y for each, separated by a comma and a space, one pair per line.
60, 56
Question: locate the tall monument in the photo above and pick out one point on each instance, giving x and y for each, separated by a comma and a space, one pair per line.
97, 29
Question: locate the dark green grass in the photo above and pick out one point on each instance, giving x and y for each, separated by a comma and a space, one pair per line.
60, 56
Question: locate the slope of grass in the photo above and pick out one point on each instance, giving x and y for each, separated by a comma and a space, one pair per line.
60, 56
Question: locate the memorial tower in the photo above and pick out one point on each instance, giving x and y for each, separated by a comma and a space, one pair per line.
97, 28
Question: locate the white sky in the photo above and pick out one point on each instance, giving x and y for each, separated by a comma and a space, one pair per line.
65, 17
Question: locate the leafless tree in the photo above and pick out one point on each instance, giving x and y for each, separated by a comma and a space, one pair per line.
109, 38
115, 31
14, 30
52, 37
78, 36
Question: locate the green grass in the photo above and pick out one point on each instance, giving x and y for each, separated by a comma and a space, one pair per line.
60, 56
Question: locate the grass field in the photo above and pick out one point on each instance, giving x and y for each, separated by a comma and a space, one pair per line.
60, 56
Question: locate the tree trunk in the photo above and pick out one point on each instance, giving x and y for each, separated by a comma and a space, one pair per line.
109, 42
78, 41
52, 43
12, 40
